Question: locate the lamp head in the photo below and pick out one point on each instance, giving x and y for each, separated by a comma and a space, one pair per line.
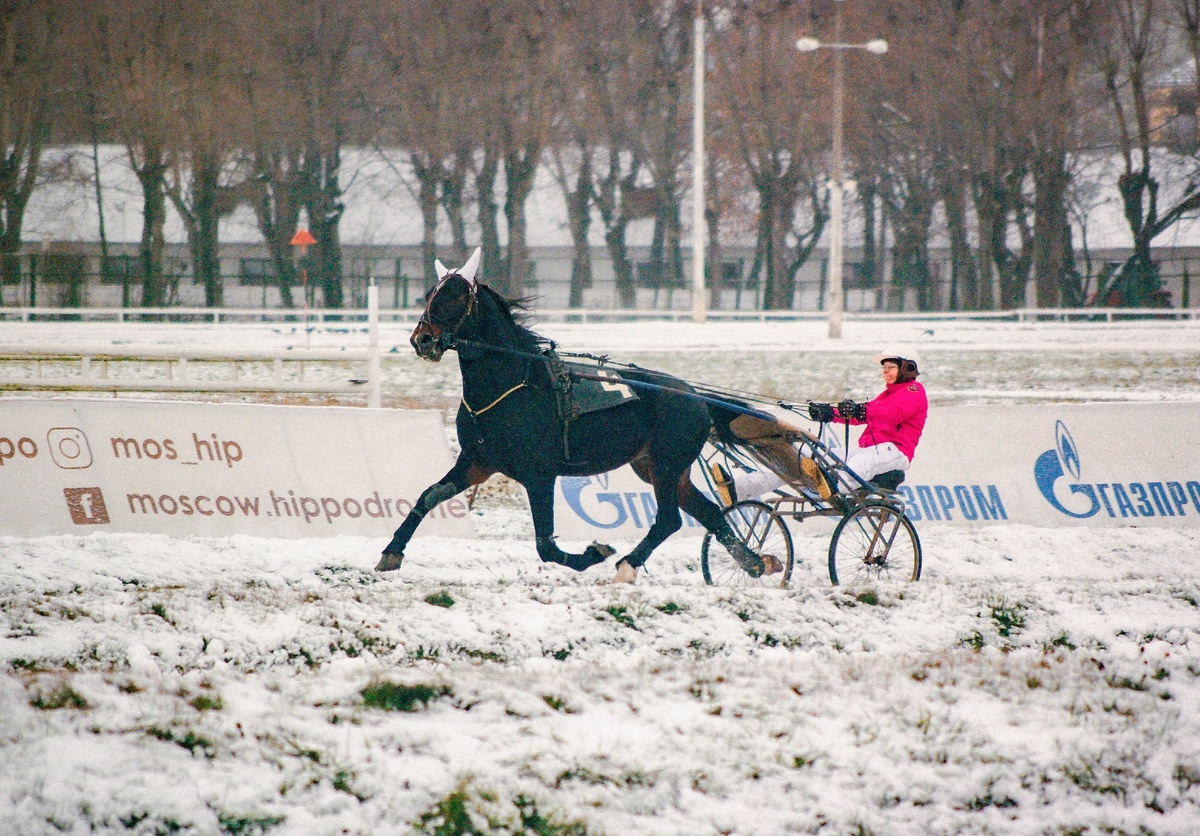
878, 46
808, 44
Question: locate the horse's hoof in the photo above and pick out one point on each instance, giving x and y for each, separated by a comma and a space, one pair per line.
626, 573
772, 563
389, 561
598, 553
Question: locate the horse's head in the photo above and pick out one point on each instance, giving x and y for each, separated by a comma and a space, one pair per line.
447, 307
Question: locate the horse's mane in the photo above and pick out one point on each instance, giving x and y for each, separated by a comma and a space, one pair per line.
517, 314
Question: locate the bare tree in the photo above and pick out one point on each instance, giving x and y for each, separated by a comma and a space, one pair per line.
137, 48
1130, 58
29, 69
204, 184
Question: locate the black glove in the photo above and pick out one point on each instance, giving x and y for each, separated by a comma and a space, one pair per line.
822, 413
850, 409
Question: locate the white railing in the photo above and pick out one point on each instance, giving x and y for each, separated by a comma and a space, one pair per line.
92, 372
322, 317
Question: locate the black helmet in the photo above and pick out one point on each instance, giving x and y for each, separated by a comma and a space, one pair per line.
906, 358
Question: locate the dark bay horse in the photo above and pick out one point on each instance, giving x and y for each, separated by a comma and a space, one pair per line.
510, 422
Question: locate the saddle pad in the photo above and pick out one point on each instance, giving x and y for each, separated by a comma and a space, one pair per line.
590, 395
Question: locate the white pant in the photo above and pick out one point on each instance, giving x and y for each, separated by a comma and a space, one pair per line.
867, 462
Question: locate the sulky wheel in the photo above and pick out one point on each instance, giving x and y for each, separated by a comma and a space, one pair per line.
874, 542
765, 535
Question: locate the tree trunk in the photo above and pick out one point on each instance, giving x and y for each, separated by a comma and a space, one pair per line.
200, 221
489, 218
579, 218
152, 177
428, 174
325, 210
964, 278
520, 168
1053, 262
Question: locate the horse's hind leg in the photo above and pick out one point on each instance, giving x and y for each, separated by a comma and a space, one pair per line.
467, 471
541, 508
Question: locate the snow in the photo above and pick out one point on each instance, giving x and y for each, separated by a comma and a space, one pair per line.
1035, 680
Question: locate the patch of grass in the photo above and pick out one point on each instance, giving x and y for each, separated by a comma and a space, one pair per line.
160, 609
867, 597
391, 696
1061, 640
1186, 777
535, 823
239, 825
1115, 681
984, 801
467, 812
1009, 617
441, 598
63, 696
670, 608
481, 655
206, 703
973, 640
343, 782
621, 616
190, 741
557, 704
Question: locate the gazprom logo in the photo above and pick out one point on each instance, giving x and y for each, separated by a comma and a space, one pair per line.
1059, 476
601, 505
1053, 465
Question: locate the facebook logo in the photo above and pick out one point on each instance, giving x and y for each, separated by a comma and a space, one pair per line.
86, 506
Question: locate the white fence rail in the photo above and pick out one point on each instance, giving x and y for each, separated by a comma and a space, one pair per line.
93, 370
332, 317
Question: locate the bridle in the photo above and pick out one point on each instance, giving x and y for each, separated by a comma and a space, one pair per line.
446, 333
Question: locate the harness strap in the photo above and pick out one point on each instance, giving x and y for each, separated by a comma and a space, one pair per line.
476, 413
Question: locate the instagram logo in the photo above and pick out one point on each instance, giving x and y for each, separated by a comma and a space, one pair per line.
69, 448
86, 506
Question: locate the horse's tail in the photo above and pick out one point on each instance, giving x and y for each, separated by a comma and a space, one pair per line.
723, 410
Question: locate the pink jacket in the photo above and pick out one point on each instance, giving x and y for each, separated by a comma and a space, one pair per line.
896, 415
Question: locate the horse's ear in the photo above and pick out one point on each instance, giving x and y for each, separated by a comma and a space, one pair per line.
440, 268
469, 269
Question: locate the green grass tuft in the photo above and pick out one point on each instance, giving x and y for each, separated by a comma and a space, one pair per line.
391, 696
440, 598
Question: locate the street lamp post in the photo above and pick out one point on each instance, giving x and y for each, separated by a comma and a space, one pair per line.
834, 302
699, 303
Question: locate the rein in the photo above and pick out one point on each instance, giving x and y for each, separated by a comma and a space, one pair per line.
635, 384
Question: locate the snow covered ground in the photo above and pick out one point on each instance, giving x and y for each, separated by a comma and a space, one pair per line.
1034, 681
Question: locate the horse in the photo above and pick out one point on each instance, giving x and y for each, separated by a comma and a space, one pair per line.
511, 421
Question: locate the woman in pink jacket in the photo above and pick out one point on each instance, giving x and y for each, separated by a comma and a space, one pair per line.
894, 419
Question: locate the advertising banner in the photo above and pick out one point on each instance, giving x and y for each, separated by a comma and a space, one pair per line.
76, 466
1043, 464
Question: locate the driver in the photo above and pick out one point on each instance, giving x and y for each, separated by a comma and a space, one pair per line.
894, 421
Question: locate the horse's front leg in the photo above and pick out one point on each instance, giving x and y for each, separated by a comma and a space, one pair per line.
541, 508
467, 471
